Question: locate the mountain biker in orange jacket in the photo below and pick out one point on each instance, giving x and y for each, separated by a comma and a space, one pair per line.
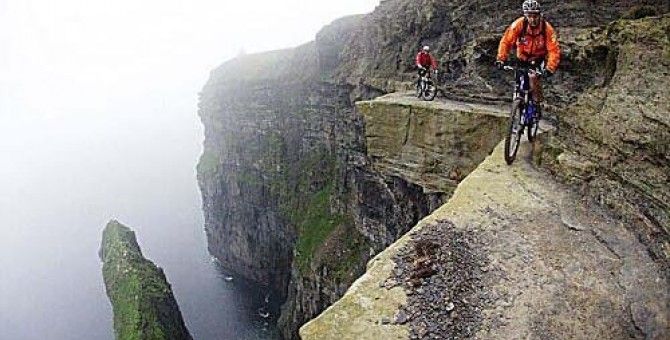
424, 61
536, 42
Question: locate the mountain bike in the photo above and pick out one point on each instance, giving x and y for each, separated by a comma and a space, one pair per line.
525, 113
425, 88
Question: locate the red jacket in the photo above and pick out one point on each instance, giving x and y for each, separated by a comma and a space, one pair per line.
425, 59
534, 45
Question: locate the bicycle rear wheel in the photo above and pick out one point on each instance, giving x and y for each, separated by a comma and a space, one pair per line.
513, 138
532, 129
534, 125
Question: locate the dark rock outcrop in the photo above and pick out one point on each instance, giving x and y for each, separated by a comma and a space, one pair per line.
293, 195
289, 195
143, 303
464, 37
614, 143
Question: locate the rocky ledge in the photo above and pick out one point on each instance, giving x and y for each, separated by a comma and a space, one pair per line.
143, 302
432, 144
513, 254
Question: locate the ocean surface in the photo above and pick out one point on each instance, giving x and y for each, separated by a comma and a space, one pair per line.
62, 177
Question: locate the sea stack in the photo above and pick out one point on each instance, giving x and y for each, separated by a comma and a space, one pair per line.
142, 299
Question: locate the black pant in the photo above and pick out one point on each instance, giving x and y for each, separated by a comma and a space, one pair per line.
422, 72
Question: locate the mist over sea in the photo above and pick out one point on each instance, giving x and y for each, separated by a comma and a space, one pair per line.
62, 179
98, 120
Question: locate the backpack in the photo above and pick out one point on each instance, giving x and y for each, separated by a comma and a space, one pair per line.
543, 30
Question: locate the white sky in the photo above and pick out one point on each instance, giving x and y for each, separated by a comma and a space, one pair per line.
71, 70
73, 56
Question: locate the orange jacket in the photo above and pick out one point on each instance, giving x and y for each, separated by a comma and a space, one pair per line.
532, 46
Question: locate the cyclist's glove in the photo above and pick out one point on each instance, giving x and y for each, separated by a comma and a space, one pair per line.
500, 64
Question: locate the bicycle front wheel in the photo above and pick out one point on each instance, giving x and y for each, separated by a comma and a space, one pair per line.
429, 92
513, 138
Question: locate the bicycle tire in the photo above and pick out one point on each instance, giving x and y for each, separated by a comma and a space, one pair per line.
512, 135
532, 129
430, 92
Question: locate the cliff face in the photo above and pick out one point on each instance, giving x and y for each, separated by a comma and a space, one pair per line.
301, 186
615, 139
517, 254
464, 37
143, 303
512, 255
289, 193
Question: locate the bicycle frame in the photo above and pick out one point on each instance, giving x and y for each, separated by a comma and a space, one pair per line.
522, 90
425, 77
524, 113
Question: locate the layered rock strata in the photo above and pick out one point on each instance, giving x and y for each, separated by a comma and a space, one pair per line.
301, 201
614, 143
143, 303
527, 256
433, 144
296, 197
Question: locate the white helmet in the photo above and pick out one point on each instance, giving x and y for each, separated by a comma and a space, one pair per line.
426, 48
531, 6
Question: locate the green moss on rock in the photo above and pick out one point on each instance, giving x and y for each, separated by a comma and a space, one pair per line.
315, 223
143, 303
208, 162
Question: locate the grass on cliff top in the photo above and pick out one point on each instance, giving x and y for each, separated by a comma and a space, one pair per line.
136, 287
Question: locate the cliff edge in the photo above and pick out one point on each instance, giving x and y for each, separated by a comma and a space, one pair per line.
304, 179
569, 242
513, 254
142, 300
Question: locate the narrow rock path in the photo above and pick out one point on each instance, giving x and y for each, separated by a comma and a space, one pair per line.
513, 255
410, 99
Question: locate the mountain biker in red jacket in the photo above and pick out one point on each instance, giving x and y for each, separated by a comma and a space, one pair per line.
536, 43
424, 62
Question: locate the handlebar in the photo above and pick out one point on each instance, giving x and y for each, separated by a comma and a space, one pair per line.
425, 69
534, 70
